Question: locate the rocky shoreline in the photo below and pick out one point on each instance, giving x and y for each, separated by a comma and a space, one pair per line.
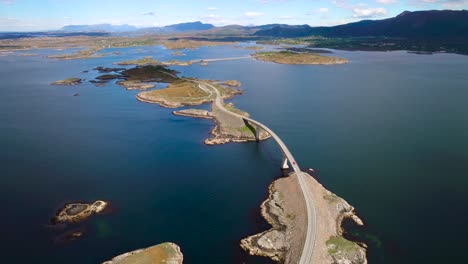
284, 211
167, 103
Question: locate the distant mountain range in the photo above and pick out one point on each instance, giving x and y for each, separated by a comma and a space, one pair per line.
98, 28
420, 24
182, 27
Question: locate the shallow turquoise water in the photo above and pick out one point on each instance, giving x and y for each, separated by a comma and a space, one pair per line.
387, 132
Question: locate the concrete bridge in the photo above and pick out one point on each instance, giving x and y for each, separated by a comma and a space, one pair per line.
220, 59
311, 236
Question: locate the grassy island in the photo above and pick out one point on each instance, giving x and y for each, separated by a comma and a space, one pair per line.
151, 61
178, 93
140, 62
289, 57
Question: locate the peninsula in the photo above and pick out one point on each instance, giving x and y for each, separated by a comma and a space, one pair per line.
290, 57
284, 211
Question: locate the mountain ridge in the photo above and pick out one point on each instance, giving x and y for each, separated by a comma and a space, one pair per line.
417, 24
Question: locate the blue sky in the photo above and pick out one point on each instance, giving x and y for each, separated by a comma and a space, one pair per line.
31, 15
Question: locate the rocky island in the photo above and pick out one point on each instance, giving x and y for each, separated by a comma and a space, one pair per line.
165, 253
185, 91
77, 212
137, 78
151, 61
284, 210
68, 81
177, 94
290, 57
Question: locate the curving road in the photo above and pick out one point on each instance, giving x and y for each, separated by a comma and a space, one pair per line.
311, 236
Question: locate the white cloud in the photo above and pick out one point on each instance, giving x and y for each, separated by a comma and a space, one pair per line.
386, 2
323, 10
271, 1
7, 1
340, 3
148, 14
368, 12
253, 14
444, 3
212, 8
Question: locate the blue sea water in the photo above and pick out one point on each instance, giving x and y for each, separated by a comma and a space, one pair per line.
388, 132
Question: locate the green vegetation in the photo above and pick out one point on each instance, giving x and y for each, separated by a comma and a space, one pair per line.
331, 197
287, 41
291, 216
106, 77
181, 89
82, 54
150, 73
225, 92
339, 244
377, 44
230, 107
246, 129
142, 61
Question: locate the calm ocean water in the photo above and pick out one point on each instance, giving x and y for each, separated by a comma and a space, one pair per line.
388, 132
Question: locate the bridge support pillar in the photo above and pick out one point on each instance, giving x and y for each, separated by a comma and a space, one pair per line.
257, 133
284, 164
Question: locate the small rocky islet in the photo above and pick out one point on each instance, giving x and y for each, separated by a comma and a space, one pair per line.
68, 81
77, 212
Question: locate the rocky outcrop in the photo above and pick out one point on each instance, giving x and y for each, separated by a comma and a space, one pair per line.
230, 128
165, 253
232, 83
148, 98
343, 251
135, 85
273, 243
77, 212
68, 81
193, 113
107, 70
